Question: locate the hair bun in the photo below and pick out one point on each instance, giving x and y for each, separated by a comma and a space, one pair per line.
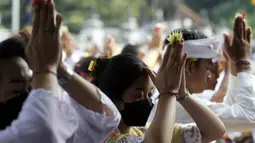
100, 66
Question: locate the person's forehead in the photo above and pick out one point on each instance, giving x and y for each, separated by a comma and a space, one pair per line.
143, 80
207, 61
14, 65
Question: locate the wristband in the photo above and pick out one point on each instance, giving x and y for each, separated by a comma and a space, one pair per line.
245, 64
181, 100
168, 93
43, 72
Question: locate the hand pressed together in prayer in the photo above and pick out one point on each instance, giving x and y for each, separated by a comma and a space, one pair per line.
110, 46
170, 74
43, 50
239, 48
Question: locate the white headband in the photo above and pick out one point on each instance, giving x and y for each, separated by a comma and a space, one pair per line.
203, 48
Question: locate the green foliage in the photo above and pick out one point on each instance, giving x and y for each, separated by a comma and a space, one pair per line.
227, 9
112, 12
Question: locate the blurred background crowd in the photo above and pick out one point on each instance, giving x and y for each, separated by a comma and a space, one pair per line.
88, 22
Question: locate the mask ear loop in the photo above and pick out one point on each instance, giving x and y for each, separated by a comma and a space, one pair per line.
119, 103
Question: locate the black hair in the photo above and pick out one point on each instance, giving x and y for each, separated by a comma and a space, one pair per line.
113, 76
188, 35
83, 65
130, 49
12, 47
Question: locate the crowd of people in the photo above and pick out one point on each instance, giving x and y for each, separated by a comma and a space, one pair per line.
186, 88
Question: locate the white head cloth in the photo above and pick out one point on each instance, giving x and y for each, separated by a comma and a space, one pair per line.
203, 48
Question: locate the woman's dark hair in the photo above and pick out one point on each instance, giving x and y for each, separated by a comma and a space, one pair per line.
130, 49
113, 76
188, 35
12, 47
83, 65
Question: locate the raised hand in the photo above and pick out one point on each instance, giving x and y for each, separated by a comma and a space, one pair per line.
109, 47
169, 76
43, 51
239, 47
157, 37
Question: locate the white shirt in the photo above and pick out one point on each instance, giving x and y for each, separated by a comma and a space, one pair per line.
238, 109
46, 118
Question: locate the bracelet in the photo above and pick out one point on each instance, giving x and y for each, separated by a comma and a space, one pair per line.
245, 64
181, 100
43, 72
169, 93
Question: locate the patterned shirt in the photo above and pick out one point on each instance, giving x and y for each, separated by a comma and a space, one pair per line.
183, 133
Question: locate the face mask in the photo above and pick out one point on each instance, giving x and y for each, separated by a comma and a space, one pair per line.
137, 113
9, 111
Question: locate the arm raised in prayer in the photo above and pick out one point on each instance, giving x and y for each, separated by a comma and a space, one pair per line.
168, 81
41, 112
210, 126
95, 111
84, 92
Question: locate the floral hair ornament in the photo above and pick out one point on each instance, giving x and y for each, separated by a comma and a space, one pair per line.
243, 15
92, 65
175, 36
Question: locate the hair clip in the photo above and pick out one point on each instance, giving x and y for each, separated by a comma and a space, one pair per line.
92, 65
174, 36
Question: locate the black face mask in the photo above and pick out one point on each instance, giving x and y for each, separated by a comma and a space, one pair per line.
9, 111
137, 113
